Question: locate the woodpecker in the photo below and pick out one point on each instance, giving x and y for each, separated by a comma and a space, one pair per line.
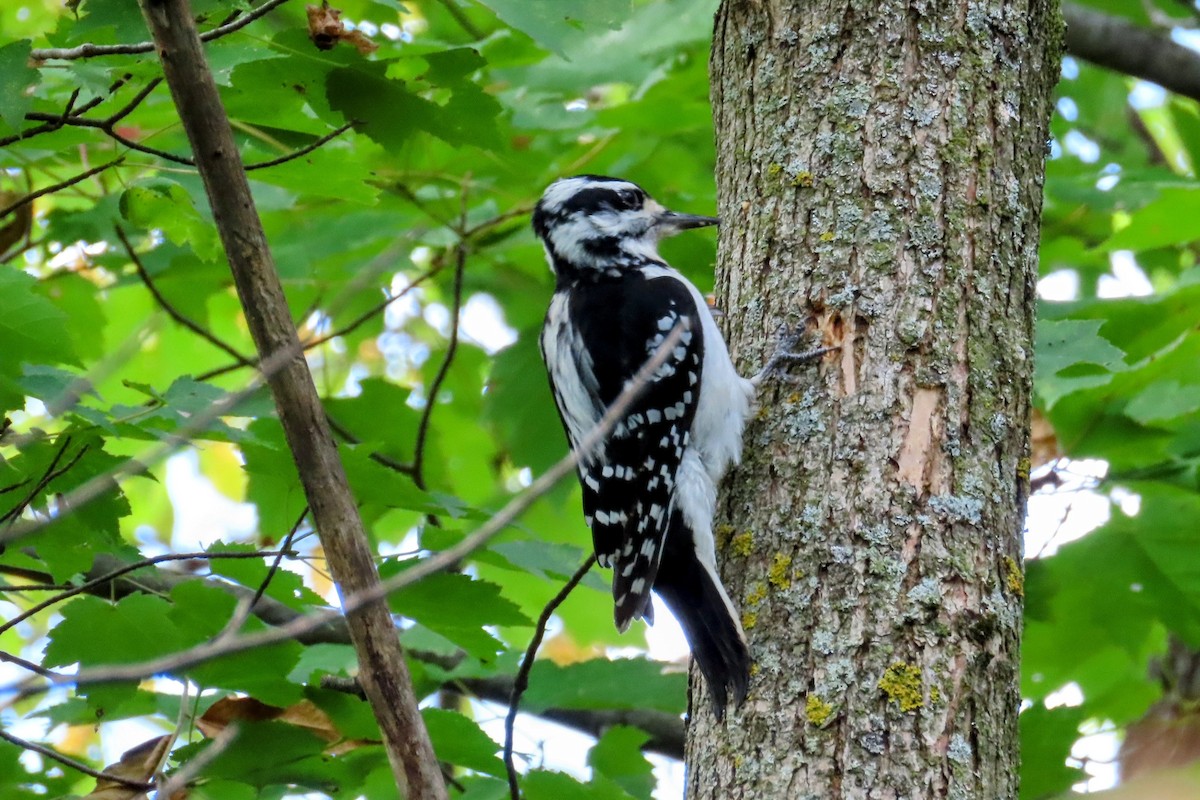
649, 493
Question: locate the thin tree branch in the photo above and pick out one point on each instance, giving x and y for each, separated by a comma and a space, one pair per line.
379, 458
78, 766
461, 18
246, 606
127, 109
173, 312
303, 151
89, 50
197, 763
522, 680
29, 198
460, 263
1116, 43
37, 669
348, 328
111, 575
50, 474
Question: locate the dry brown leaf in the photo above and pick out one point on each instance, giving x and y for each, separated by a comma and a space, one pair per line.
139, 764
326, 29
304, 715
1166, 737
1174, 784
16, 225
1043, 442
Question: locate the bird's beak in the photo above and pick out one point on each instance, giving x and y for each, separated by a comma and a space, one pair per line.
670, 223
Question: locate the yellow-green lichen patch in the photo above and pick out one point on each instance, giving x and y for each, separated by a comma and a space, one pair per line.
935, 694
1013, 578
778, 574
754, 670
1023, 467
803, 179
723, 533
902, 683
742, 544
758, 593
817, 710
827, 236
749, 619
774, 169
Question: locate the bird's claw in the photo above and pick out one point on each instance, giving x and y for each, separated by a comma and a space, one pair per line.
786, 354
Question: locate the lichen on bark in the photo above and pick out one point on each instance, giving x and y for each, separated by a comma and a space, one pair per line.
880, 175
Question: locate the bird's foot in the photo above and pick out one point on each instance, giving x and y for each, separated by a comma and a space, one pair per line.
786, 353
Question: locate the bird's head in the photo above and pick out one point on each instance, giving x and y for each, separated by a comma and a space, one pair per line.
590, 222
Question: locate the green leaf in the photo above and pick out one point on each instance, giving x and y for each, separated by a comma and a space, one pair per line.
1047, 736
1169, 220
32, 330
391, 109
461, 741
16, 76
521, 408
324, 659
161, 204
93, 632
457, 607
265, 753
554, 25
630, 683
1164, 400
201, 612
618, 757
1072, 355
540, 784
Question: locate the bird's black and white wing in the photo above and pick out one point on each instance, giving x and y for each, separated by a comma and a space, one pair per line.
595, 340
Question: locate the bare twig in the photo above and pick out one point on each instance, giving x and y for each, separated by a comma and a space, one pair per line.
219, 743
78, 766
127, 109
51, 189
461, 18
92, 50
173, 312
460, 263
303, 151
348, 328
522, 680
379, 458
112, 575
50, 474
37, 669
166, 306
244, 609
666, 730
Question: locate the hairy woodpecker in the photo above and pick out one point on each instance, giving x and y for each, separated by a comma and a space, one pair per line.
649, 494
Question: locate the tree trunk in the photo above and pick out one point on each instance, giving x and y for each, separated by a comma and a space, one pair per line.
880, 170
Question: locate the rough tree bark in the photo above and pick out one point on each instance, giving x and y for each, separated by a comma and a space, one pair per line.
880, 170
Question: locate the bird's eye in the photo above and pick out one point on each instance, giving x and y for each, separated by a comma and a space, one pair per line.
628, 199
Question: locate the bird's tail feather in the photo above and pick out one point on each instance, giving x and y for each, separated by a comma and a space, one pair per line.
693, 592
